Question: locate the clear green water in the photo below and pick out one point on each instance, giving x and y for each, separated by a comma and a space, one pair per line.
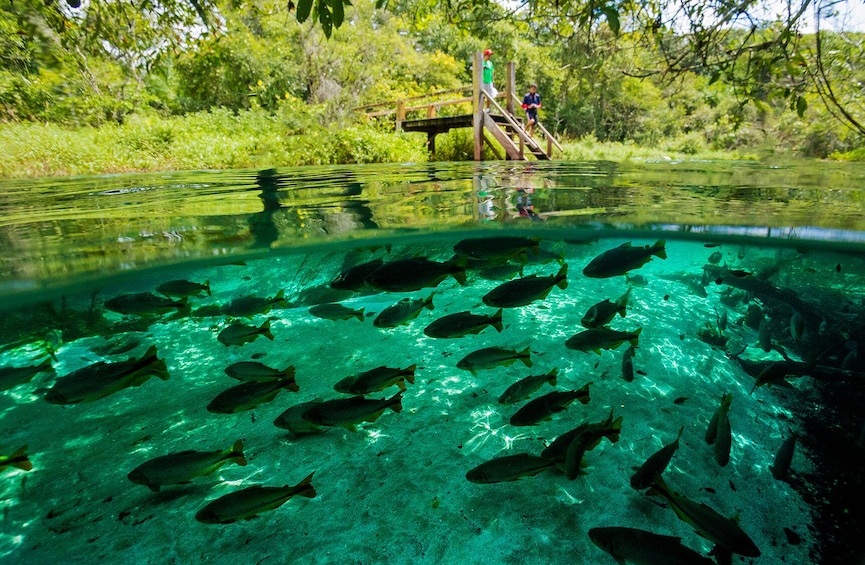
790, 238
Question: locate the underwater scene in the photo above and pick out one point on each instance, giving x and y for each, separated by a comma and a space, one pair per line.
569, 363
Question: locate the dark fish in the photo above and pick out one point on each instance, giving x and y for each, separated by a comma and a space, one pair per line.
587, 439
335, 312
144, 303
523, 388
620, 260
463, 323
19, 460
509, 468
180, 288
497, 247
543, 407
238, 333
655, 464
610, 429
765, 335
601, 338
116, 345
520, 292
628, 364
797, 327
603, 312
639, 547
353, 278
405, 275
254, 371
501, 272
780, 468
248, 395
715, 257
293, 421
349, 412
490, 357
11, 377
251, 501
376, 380
722, 531
102, 379
249, 306
718, 433
402, 312
181, 468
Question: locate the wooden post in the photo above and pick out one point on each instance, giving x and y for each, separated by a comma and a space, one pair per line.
430, 111
400, 114
477, 105
510, 86
431, 143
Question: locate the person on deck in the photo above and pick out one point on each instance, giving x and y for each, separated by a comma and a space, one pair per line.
487, 83
531, 103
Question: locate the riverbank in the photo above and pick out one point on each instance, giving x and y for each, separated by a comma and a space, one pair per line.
220, 139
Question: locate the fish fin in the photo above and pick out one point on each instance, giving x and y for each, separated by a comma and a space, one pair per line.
497, 323
410, 376
460, 276
658, 250
266, 327
206, 286
309, 490
401, 384
525, 356
428, 303
159, 369
236, 453
626, 244
25, 463
563, 275
397, 407
359, 314
291, 384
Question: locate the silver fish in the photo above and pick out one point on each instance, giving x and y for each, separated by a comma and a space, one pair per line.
655, 464
545, 406
520, 292
509, 468
463, 323
180, 288
639, 547
490, 357
255, 371
248, 395
238, 333
349, 412
249, 306
624, 258
402, 312
602, 338
332, 311
181, 468
376, 380
523, 388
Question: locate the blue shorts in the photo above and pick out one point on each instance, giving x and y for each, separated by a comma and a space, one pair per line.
532, 114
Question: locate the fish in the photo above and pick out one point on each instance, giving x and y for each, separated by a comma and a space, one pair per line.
587, 438
765, 335
463, 323
251, 501
624, 258
349, 412
10, 377
19, 459
353, 278
376, 380
144, 303
103, 379
238, 333
116, 345
775, 373
603, 312
249, 306
248, 395
716, 257
722, 319
490, 357
543, 407
609, 428
509, 468
718, 434
721, 531
180, 288
797, 327
780, 468
402, 312
255, 371
503, 272
406, 275
293, 421
601, 338
628, 364
655, 464
502, 248
636, 280
524, 388
520, 292
639, 547
180, 468
331, 311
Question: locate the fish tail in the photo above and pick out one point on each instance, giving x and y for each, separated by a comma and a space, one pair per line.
410, 373
290, 384
45, 366
306, 484
265, 330
525, 356
359, 315
236, 453
206, 286
460, 276
617, 425
395, 402
658, 250
289, 372
428, 302
23, 461
562, 277
497, 320
160, 369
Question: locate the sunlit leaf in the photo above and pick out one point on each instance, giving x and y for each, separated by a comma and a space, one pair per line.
801, 106
612, 16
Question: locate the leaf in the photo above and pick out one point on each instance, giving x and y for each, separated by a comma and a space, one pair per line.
338, 12
801, 106
612, 18
324, 18
304, 7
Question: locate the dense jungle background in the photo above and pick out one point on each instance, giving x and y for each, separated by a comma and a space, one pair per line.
112, 86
